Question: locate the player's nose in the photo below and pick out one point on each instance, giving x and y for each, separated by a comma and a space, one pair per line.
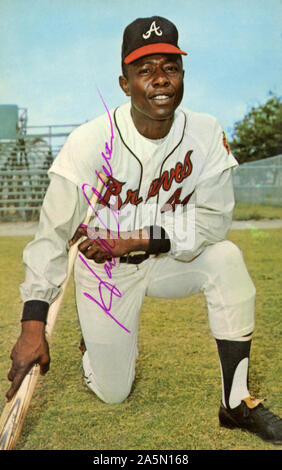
160, 78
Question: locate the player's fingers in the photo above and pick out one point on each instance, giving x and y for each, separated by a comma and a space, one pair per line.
16, 382
44, 363
11, 392
16, 368
13, 389
11, 374
85, 245
80, 231
97, 253
90, 250
101, 258
44, 367
93, 250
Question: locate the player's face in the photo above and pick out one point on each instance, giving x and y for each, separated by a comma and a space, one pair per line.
155, 85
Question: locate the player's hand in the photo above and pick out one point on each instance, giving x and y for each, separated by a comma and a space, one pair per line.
102, 245
31, 348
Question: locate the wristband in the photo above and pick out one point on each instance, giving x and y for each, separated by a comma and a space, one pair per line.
159, 241
35, 310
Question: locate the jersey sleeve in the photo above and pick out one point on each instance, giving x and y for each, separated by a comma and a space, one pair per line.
219, 156
67, 163
206, 219
45, 258
82, 154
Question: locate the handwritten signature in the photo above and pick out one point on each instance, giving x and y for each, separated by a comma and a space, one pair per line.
104, 286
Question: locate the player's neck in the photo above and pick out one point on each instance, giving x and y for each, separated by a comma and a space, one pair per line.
152, 128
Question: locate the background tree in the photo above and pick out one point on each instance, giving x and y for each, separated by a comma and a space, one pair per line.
259, 134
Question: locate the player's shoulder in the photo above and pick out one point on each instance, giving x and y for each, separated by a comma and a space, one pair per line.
195, 119
201, 128
95, 129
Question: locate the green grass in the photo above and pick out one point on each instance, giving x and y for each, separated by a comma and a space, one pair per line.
176, 394
255, 211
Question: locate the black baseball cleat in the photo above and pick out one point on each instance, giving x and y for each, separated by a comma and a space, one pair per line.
252, 416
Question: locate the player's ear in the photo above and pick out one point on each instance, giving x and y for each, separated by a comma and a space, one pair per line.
123, 82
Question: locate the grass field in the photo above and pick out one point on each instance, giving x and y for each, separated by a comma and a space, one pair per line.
244, 211
176, 395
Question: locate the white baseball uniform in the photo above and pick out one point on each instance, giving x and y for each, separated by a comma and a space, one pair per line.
183, 183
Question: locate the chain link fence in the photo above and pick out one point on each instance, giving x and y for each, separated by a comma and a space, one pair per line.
259, 182
24, 180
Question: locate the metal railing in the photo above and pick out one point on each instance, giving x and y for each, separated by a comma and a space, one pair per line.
22, 193
24, 163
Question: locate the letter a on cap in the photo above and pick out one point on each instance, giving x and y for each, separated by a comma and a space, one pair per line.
154, 28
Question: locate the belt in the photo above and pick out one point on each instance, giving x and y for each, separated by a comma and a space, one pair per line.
134, 259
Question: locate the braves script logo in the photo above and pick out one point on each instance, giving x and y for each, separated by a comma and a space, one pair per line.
153, 28
180, 172
104, 286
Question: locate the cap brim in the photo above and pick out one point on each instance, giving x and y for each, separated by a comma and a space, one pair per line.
158, 48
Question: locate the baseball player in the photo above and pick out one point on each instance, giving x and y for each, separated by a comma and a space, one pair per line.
159, 230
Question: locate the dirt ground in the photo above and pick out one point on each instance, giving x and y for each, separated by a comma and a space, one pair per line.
29, 228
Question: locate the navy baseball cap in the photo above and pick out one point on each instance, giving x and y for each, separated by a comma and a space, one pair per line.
145, 36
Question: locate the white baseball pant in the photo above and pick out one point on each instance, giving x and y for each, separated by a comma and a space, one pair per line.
109, 362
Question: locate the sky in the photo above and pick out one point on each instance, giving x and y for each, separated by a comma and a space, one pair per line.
55, 53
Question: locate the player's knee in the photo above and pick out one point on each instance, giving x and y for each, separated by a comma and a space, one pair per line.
110, 386
234, 258
228, 269
225, 252
225, 255
115, 394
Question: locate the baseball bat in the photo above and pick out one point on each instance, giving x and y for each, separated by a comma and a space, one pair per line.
14, 412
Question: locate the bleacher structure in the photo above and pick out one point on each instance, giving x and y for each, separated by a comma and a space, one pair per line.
26, 153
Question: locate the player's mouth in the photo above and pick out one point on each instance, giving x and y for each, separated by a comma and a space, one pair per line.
161, 98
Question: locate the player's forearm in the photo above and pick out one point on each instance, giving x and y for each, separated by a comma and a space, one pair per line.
151, 239
138, 240
45, 258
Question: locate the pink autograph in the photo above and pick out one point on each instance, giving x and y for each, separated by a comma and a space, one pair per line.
108, 266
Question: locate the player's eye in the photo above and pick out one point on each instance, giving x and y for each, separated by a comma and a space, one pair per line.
145, 70
171, 68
